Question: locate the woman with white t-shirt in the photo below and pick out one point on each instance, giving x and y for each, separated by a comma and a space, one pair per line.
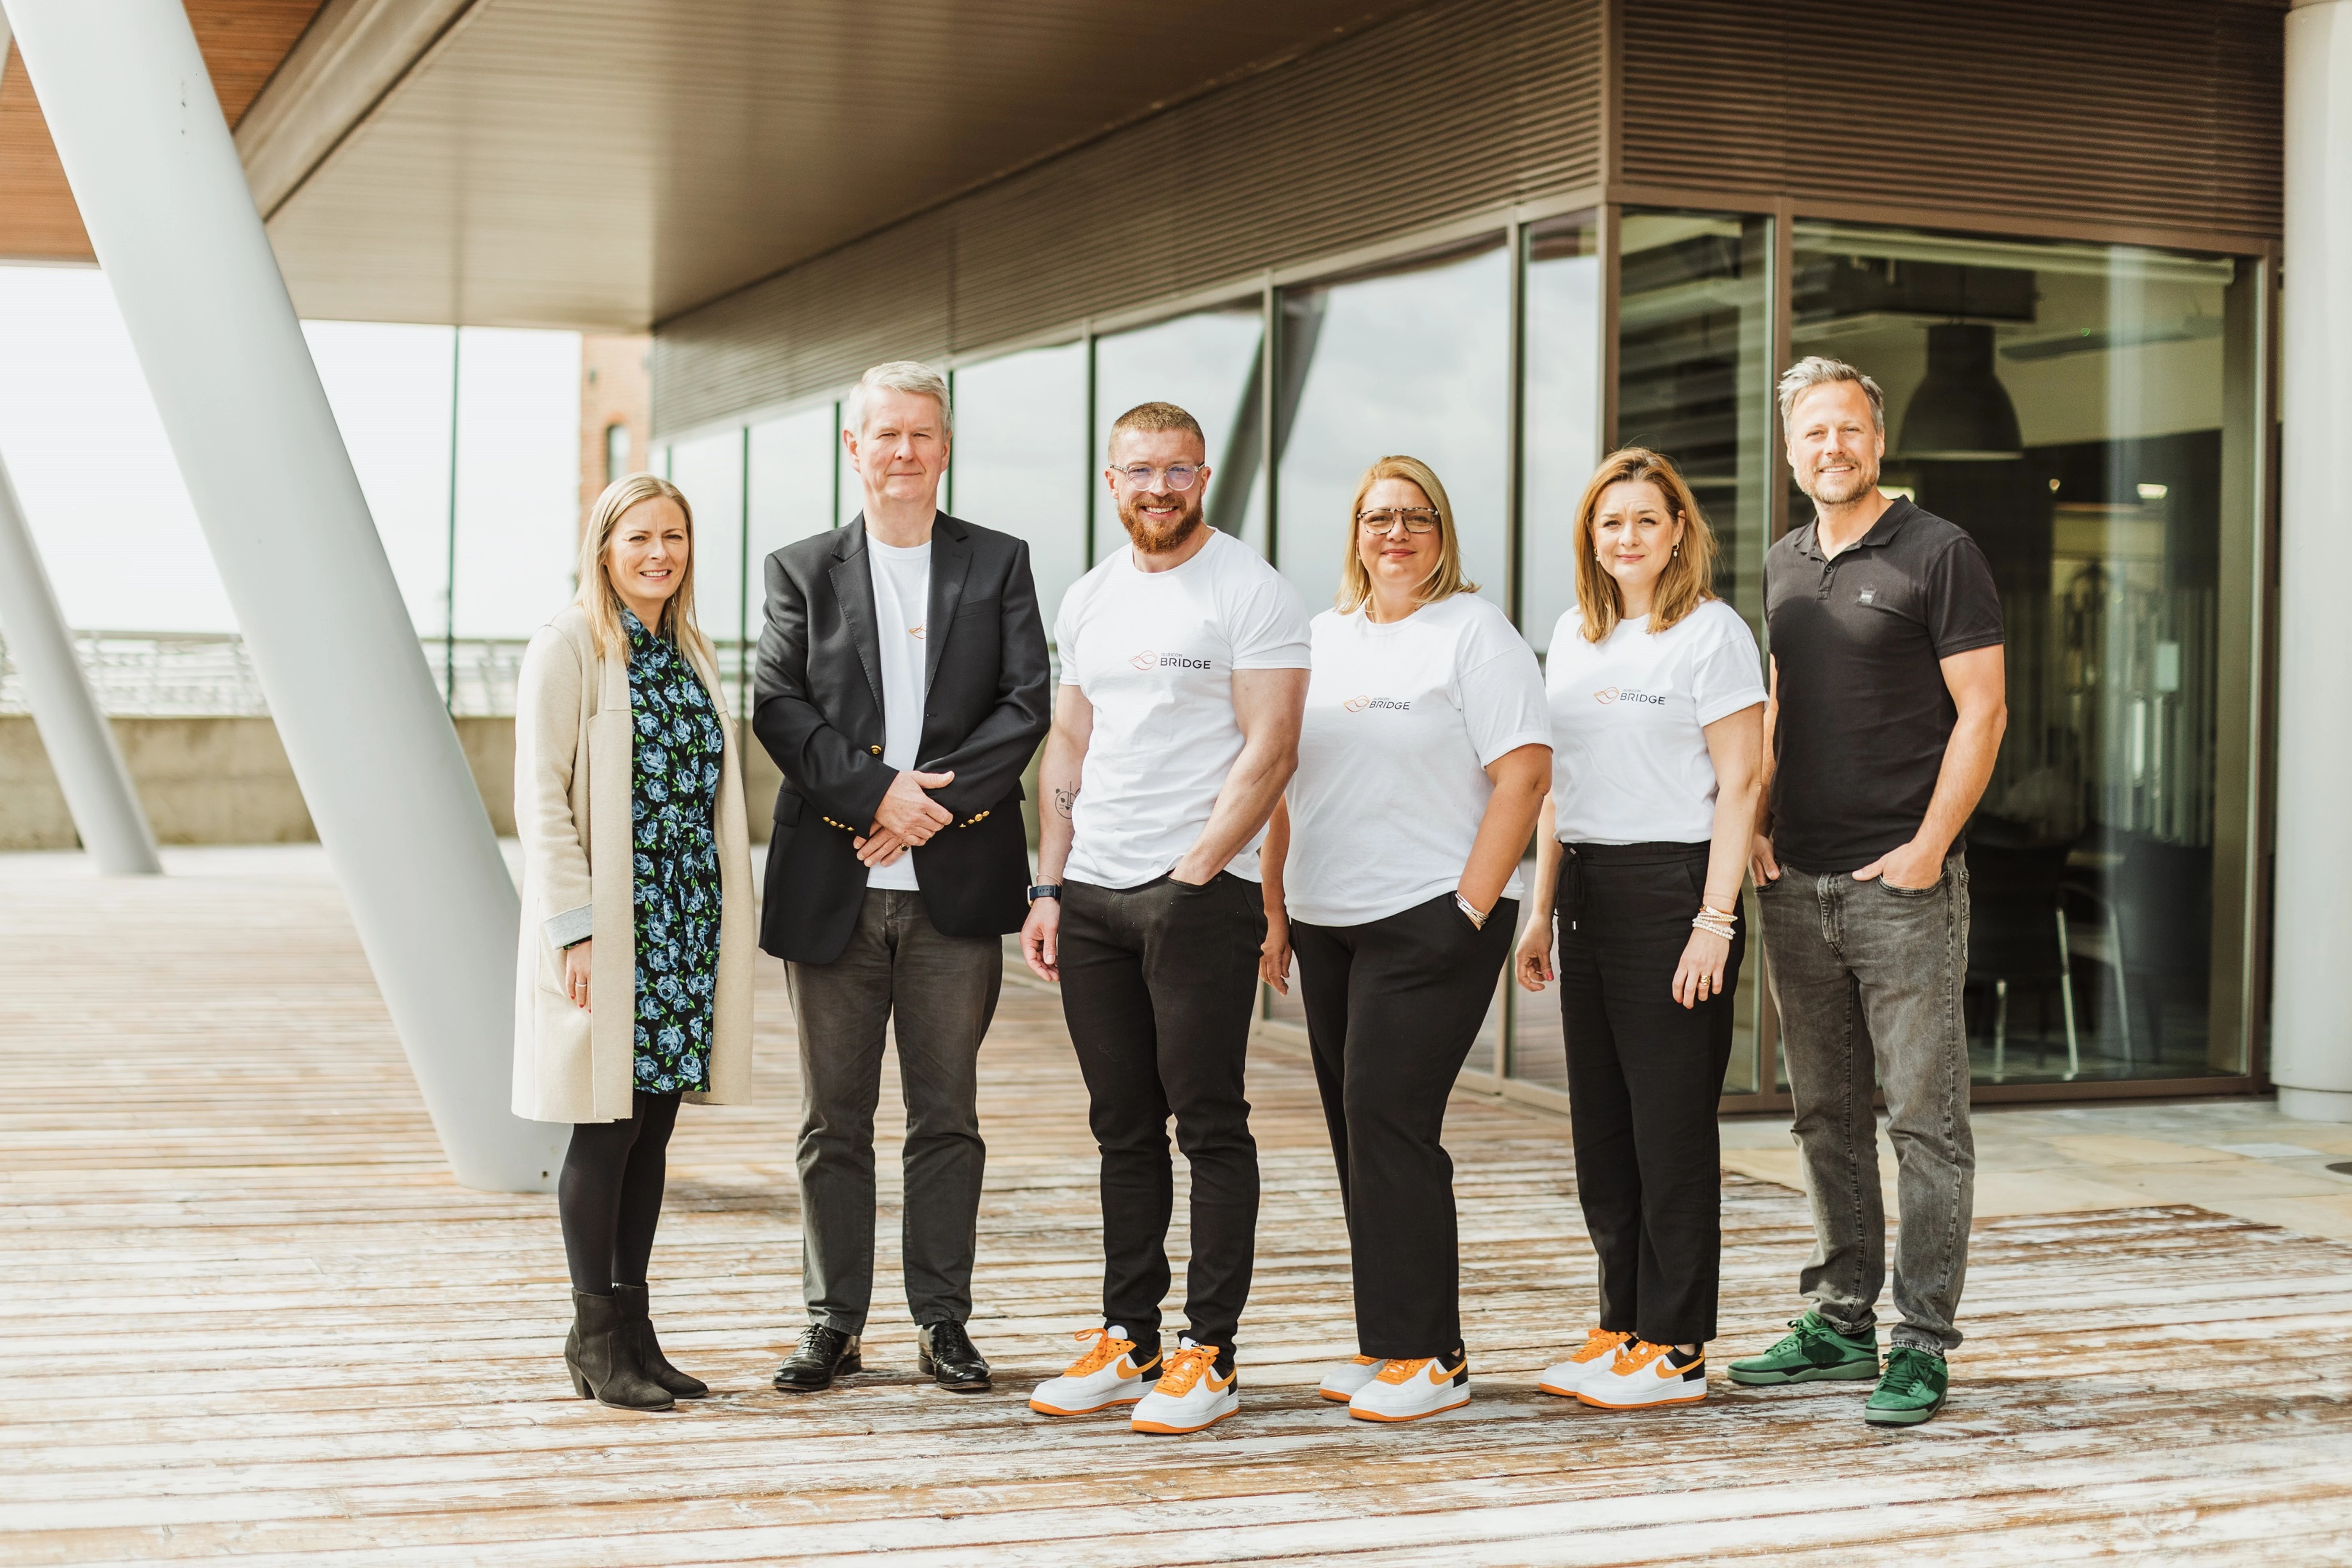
1392, 871
1657, 709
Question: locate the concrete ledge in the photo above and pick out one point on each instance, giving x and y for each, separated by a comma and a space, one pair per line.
226, 781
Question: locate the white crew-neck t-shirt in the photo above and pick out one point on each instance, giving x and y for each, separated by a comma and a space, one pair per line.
1155, 653
1402, 720
902, 603
1627, 718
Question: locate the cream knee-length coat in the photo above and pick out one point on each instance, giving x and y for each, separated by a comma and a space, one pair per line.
575, 748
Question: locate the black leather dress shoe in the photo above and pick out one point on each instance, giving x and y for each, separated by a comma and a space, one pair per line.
947, 1353
823, 1355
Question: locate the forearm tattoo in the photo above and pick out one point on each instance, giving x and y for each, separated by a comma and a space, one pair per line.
1065, 798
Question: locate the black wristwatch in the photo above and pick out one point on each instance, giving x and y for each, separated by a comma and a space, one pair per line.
1045, 890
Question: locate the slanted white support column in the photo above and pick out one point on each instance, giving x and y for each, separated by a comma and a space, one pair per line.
164, 197
2311, 1029
74, 732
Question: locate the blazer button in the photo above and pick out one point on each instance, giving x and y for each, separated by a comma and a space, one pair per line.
875, 749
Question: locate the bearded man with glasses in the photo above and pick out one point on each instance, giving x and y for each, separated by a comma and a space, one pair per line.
1185, 662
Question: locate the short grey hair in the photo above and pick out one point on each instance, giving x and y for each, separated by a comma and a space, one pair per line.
1819, 369
912, 377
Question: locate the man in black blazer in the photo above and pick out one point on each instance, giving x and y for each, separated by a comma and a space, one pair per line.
902, 690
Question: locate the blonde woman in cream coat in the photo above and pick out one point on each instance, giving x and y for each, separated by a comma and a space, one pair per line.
635, 986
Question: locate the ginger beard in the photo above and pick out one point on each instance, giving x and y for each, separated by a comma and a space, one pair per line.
1155, 536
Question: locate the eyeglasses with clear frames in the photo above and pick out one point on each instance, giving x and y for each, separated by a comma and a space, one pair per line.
1175, 476
1416, 519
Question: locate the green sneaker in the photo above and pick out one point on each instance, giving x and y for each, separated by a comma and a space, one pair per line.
1912, 1391
1816, 1352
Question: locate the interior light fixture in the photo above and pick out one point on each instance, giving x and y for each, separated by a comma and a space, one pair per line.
2153, 492
1961, 413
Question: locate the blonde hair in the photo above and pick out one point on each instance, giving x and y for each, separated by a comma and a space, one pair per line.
603, 602
1445, 579
1683, 586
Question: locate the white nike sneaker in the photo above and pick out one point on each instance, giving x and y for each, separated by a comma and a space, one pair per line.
1190, 1395
1644, 1375
1409, 1390
1600, 1348
1343, 1381
1107, 1374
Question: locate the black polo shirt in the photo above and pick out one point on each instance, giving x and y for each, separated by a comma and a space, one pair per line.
1864, 714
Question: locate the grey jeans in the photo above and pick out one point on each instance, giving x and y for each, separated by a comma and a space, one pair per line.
1868, 977
941, 992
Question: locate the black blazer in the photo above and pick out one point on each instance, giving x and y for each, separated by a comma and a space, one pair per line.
817, 707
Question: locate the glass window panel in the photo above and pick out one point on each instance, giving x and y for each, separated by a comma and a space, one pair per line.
1414, 361
1020, 461
1693, 381
709, 471
1206, 363
2076, 426
792, 481
1561, 406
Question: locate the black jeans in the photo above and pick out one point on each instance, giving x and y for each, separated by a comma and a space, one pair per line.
1394, 1006
1159, 984
1644, 1076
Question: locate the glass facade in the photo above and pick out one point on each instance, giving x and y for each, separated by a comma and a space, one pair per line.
2084, 411
2066, 404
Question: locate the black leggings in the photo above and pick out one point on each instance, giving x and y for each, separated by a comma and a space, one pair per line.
611, 1193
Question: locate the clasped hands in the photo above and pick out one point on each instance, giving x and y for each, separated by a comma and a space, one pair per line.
906, 818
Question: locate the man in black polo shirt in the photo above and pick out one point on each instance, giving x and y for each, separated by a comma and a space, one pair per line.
1888, 709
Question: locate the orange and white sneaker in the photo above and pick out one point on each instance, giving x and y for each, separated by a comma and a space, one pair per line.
1409, 1390
1644, 1375
1107, 1374
1600, 1348
1343, 1381
1190, 1395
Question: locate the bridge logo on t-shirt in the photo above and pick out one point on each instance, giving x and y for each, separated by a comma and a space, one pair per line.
1394, 705
1608, 694
1148, 660
1605, 696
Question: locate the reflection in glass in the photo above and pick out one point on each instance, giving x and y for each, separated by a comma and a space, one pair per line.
1693, 381
1205, 363
1560, 406
1417, 362
1020, 458
2065, 403
709, 470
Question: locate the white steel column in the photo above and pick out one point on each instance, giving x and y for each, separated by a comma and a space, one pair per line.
81, 743
74, 732
140, 131
2310, 1030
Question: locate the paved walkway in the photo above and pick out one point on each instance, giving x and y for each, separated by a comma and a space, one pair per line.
246, 1313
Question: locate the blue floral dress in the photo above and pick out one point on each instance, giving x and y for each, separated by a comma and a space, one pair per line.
674, 787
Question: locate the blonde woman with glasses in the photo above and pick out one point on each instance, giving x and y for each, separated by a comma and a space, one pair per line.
634, 990
1658, 709
1392, 872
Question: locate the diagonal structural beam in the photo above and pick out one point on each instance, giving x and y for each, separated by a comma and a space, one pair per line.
145, 148
74, 732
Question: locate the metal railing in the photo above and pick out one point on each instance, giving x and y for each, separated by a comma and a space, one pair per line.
190, 674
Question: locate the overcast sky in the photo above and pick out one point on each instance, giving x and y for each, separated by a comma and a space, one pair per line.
97, 479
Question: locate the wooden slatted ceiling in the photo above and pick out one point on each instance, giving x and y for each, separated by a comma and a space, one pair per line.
243, 40
2160, 113
245, 1315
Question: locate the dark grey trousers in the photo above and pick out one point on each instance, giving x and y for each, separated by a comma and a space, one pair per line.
1867, 981
941, 991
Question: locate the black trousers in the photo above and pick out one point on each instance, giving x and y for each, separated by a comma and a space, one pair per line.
1643, 1075
1394, 1007
609, 1195
1159, 984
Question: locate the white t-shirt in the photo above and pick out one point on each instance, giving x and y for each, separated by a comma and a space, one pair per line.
1155, 653
1630, 763
1402, 722
902, 603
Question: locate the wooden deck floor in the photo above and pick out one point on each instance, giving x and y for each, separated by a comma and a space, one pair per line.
244, 1312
